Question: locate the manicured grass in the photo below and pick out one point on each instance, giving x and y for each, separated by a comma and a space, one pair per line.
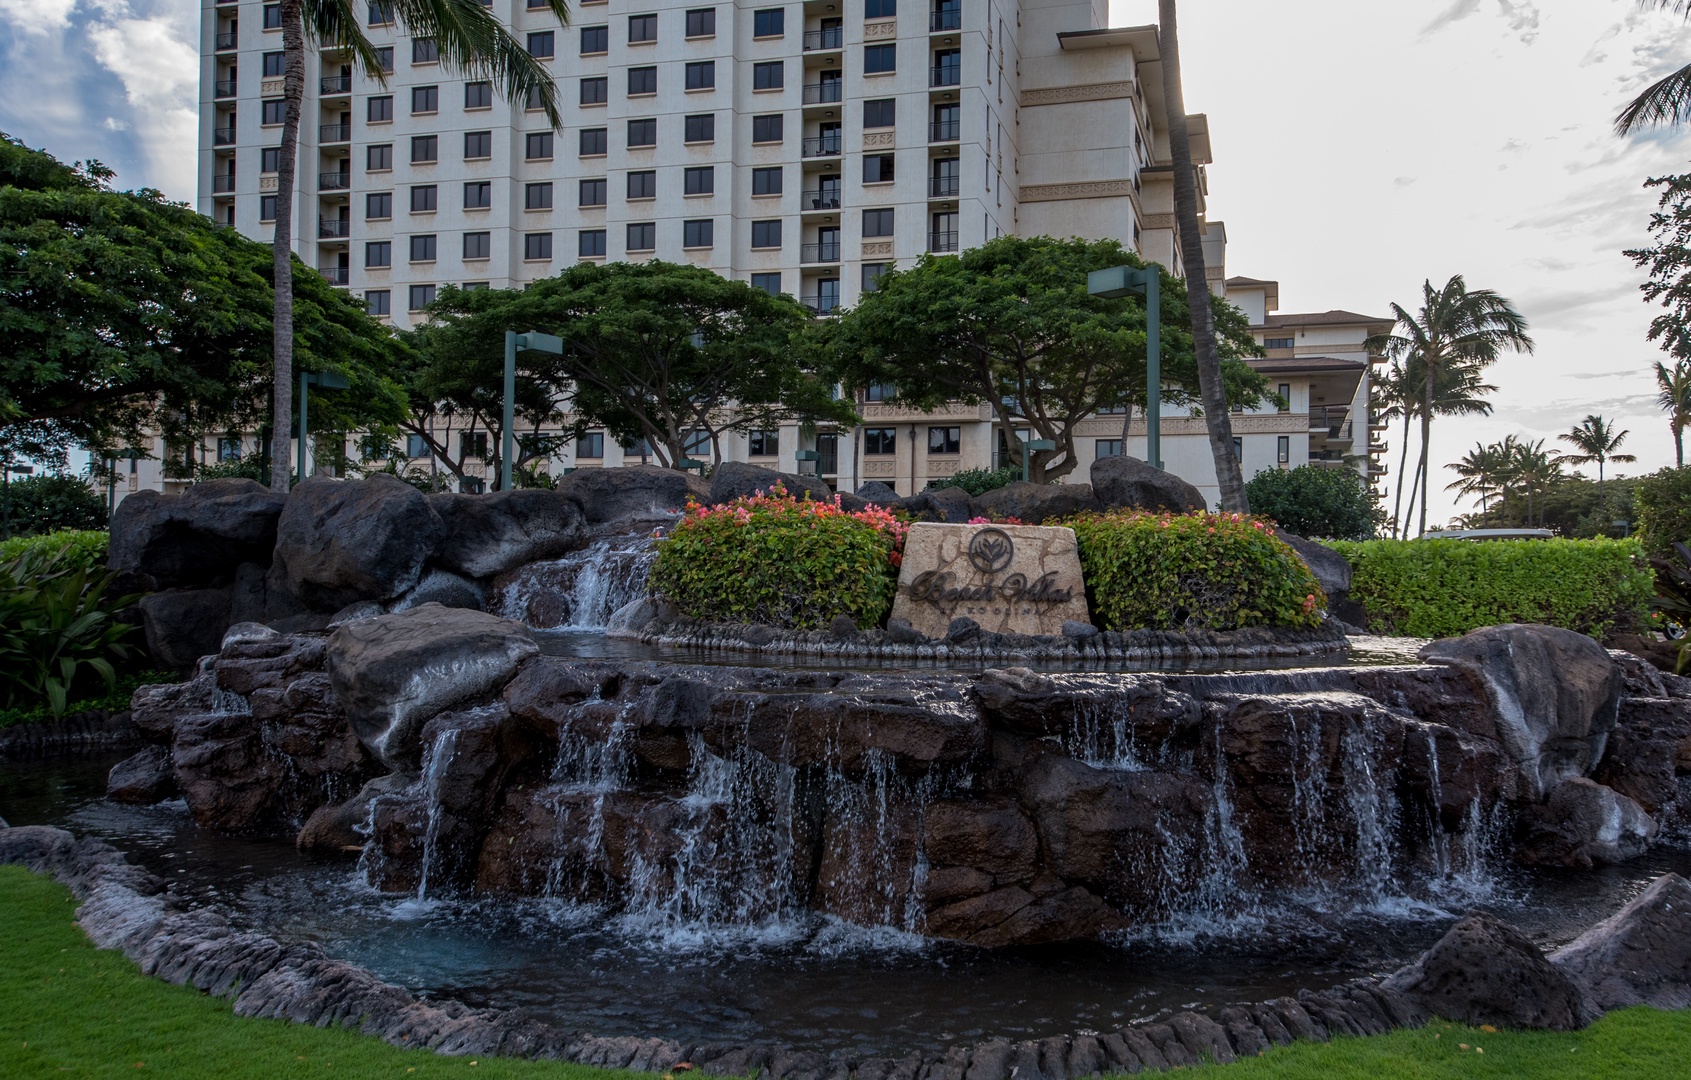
69, 1009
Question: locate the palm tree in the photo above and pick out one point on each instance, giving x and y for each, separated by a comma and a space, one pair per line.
1674, 396
470, 40
1456, 326
1459, 393
1228, 474
1396, 396
1479, 473
1537, 469
1667, 101
1596, 441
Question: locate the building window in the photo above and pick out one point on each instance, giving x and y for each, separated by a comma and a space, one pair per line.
425, 51
472, 444
478, 144
379, 110
642, 28
766, 181
538, 146
270, 158
424, 199
766, 234
701, 23
947, 125
267, 208
642, 132
881, 113
642, 81
643, 184
478, 195
273, 16
701, 75
425, 149
877, 168
879, 58
771, 22
416, 446
771, 75
378, 205
478, 95
878, 222
592, 193
421, 296
378, 302
478, 245
872, 274
698, 234
590, 243
766, 129
1107, 448
272, 112
880, 9
425, 99
879, 392
595, 91
594, 142
1285, 397
769, 283
423, 248
537, 196
537, 246
945, 440
273, 63
696, 443
700, 129
948, 68
542, 45
595, 40
1283, 449
384, 59
1238, 448
642, 236
880, 441
381, 13
698, 181
376, 158
590, 444
1279, 343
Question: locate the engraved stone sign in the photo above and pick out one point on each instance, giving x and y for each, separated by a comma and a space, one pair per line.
1011, 579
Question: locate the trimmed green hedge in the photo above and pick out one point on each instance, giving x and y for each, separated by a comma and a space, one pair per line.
1192, 572
82, 549
1442, 588
978, 481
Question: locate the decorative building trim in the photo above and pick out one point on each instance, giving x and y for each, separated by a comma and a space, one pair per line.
269, 183
1157, 221
1093, 189
875, 248
889, 28
1063, 95
879, 467
942, 467
957, 409
270, 87
878, 138
1109, 427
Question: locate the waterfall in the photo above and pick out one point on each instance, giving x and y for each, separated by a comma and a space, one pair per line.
579, 591
1103, 741
440, 758
1373, 813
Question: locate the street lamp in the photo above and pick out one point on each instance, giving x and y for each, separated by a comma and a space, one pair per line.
6, 472
538, 342
130, 454
1028, 449
1146, 282
323, 380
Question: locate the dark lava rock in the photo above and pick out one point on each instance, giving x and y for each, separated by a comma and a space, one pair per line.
441, 587
143, 779
394, 673
1641, 758
878, 494
1583, 824
634, 491
1079, 631
1035, 504
1641, 955
183, 625
1127, 482
1332, 573
495, 533
338, 827
340, 541
196, 538
1484, 971
947, 505
962, 630
900, 632
732, 479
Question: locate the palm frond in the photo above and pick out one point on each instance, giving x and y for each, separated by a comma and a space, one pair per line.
472, 41
333, 24
1667, 101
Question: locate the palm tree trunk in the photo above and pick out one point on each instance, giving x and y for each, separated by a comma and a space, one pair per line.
1679, 445
1229, 476
282, 268
1426, 437
1398, 531
1414, 486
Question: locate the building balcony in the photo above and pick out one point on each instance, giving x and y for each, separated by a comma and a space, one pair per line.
335, 275
823, 199
222, 2
334, 133
334, 181
828, 252
824, 93
942, 241
820, 305
222, 183
223, 88
335, 85
950, 75
829, 40
945, 18
822, 146
333, 228
944, 187
226, 42
223, 136
945, 130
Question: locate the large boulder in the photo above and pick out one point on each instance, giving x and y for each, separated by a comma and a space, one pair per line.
1035, 504
876, 493
341, 541
1332, 572
946, 505
732, 479
1127, 482
1484, 971
632, 492
1584, 824
394, 673
182, 625
1641, 760
196, 538
491, 534
1554, 694
1641, 955
144, 778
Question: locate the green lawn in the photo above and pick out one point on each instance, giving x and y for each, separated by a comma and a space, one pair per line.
68, 1009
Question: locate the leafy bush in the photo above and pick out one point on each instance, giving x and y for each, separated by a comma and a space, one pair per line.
116, 700
776, 561
1441, 588
82, 548
978, 481
1662, 510
59, 632
1192, 572
44, 504
250, 467
1312, 500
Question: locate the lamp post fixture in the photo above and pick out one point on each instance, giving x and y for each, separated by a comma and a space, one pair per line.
1146, 282
6, 471
323, 380
1028, 449
112, 459
538, 342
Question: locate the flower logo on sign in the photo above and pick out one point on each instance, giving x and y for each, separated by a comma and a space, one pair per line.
991, 550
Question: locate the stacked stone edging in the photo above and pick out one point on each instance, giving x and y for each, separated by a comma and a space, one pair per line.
89, 731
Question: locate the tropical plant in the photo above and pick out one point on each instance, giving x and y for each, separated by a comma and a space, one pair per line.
74, 547
1480, 473
59, 630
1459, 392
978, 481
1455, 328
1662, 510
1673, 394
468, 38
1673, 598
1666, 101
1314, 500
1596, 440
44, 504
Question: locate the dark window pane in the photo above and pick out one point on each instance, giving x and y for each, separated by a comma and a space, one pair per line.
537, 196
595, 91
642, 236
769, 23
767, 129
769, 76
880, 9
593, 142
379, 110
595, 39
642, 28
879, 58
643, 185
423, 198
591, 244
643, 132
478, 195
642, 80
478, 144
422, 248
592, 193
701, 23
769, 283
696, 234
701, 128
378, 204
425, 99
537, 245
478, 95
766, 181
880, 113
698, 181
424, 149
766, 234
478, 245
701, 75
542, 45
379, 302
538, 146
877, 168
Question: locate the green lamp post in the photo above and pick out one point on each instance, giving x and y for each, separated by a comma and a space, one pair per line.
1146, 282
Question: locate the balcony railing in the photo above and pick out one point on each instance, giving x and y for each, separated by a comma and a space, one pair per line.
824, 93
225, 42
820, 305
335, 84
822, 146
945, 131
828, 252
944, 187
948, 75
332, 133
223, 88
942, 241
822, 199
222, 183
333, 228
945, 19
223, 136
334, 181
335, 275
823, 40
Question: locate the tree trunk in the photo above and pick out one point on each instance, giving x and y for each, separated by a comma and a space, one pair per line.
1414, 486
1679, 445
1426, 440
1228, 473
1399, 532
282, 250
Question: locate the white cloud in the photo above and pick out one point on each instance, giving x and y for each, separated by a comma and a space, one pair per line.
36, 16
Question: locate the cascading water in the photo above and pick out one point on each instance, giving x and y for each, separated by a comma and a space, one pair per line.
580, 591
441, 753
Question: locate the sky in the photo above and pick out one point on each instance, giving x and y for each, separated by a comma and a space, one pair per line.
1362, 147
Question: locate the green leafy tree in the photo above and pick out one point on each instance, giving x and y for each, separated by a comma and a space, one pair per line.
1010, 324
1597, 441
1673, 394
1312, 500
1662, 509
44, 504
469, 39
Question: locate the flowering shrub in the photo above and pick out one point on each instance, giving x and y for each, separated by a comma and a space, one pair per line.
1192, 572
775, 560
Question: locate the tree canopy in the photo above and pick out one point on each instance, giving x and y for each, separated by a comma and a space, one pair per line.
1315, 500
